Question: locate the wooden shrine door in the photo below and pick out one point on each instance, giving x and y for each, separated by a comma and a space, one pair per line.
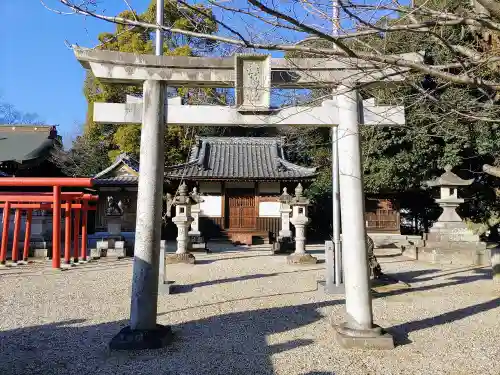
381, 216
241, 209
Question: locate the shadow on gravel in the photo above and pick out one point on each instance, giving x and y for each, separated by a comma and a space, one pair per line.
401, 331
235, 343
210, 261
186, 288
433, 274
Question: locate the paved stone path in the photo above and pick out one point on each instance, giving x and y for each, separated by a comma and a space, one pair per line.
245, 312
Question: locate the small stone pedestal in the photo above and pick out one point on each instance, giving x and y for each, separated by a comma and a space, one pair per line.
330, 284
41, 235
183, 221
114, 244
163, 283
300, 220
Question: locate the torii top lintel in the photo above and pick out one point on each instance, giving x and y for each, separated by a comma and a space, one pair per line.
187, 71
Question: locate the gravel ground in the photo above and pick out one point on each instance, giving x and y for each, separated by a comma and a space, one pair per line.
245, 312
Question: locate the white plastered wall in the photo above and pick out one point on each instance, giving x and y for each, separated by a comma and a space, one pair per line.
269, 209
212, 199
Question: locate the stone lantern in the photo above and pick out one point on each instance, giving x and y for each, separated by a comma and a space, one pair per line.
300, 220
450, 226
285, 211
182, 220
449, 240
195, 237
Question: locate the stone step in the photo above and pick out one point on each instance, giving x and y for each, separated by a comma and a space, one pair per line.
465, 257
453, 245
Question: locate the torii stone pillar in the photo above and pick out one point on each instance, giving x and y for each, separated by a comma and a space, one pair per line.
143, 331
358, 330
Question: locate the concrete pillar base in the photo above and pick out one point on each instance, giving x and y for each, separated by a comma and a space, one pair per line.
301, 259
186, 258
128, 339
372, 339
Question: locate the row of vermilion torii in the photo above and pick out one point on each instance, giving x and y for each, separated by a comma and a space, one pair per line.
75, 206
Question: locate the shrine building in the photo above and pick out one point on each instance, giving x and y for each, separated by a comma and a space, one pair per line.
240, 180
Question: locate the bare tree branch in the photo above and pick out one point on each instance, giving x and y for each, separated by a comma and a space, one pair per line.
492, 6
435, 71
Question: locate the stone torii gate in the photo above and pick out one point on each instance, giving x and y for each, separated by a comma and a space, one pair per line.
252, 76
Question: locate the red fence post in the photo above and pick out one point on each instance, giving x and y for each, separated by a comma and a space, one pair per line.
84, 231
5, 232
67, 232
76, 233
27, 234
15, 240
56, 227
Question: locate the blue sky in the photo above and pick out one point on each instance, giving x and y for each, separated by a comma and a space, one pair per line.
38, 72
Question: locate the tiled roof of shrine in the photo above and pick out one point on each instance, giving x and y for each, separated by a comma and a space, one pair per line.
239, 158
26, 144
123, 171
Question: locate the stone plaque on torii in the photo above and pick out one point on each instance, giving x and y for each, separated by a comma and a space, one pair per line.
252, 76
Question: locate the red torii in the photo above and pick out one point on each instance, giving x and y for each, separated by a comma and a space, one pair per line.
77, 201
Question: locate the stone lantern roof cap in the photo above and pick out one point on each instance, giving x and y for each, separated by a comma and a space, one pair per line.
182, 196
448, 178
299, 199
285, 197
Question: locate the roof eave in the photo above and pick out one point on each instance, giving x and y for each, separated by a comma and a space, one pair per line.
222, 178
